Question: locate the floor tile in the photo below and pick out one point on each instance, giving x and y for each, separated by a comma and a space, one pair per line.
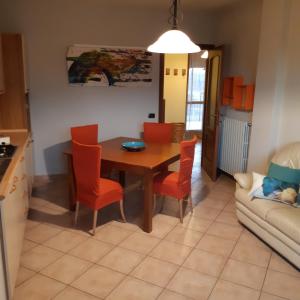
70, 293
169, 295
282, 285
127, 225
160, 228
65, 241
265, 296
245, 274
248, 238
224, 231
112, 234
205, 262
155, 271
216, 245
214, 201
121, 260
206, 212
192, 284
140, 242
253, 255
27, 245
98, 281
39, 257
91, 250
23, 275
30, 224
134, 289
38, 288
41, 233
166, 219
225, 290
277, 263
184, 236
230, 207
196, 223
66, 269
228, 218
171, 252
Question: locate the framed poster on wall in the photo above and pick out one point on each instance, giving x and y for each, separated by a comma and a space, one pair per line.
108, 66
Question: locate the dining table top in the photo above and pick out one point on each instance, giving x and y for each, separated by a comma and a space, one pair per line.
153, 156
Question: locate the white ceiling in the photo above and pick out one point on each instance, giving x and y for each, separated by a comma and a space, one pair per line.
207, 5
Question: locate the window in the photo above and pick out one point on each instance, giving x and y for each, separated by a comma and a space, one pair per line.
195, 99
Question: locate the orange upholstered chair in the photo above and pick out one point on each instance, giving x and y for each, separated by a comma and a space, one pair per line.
87, 134
158, 132
91, 190
178, 184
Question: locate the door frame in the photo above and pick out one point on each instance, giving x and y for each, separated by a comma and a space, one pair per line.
161, 104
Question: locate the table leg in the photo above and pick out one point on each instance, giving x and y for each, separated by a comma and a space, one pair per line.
71, 183
148, 201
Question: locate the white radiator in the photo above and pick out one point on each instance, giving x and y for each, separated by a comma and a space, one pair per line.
234, 144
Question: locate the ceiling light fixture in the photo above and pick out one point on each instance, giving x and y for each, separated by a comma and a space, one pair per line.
174, 41
204, 54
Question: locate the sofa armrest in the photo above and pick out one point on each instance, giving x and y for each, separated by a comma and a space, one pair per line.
244, 180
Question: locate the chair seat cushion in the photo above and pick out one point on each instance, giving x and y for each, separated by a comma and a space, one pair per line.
109, 191
286, 220
260, 207
167, 183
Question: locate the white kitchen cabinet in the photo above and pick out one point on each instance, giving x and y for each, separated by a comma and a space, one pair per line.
14, 210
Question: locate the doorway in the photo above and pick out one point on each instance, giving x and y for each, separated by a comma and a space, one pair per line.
188, 83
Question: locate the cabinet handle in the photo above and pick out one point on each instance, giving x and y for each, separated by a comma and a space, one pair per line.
14, 187
22, 158
16, 179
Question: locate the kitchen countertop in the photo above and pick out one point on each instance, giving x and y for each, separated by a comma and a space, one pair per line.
18, 137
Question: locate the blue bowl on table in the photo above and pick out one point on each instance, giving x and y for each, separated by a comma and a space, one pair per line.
133, 146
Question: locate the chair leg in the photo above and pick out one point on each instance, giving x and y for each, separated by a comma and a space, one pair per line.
95, 221
122, 211
76, 213
190, 203
180, 210
154, 203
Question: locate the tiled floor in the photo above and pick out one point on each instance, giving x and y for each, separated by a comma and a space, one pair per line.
209, 256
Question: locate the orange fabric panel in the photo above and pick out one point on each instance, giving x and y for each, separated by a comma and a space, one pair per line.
87, 134
92, 190
178, 184
158, 132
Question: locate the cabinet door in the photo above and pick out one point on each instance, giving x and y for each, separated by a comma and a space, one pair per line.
14, 212
2, 85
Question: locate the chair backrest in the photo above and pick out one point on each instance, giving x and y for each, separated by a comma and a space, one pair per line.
87, 134
187, 152
87, 164
158, 132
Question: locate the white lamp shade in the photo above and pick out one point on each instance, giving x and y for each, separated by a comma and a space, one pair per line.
174, 42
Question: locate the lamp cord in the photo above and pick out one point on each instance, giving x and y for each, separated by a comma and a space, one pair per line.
174, 9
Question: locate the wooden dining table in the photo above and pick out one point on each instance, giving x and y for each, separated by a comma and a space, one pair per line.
154, 158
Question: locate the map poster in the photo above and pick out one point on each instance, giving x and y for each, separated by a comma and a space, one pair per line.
109, 66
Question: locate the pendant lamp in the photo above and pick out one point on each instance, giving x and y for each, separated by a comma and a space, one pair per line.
174, 41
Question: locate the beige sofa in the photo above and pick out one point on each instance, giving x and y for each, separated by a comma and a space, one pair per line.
276, 223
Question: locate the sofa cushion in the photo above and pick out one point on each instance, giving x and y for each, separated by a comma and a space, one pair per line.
261, 207
286, 220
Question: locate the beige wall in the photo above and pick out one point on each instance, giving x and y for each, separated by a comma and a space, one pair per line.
238, 29
49, 27
277, 105
175, 88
